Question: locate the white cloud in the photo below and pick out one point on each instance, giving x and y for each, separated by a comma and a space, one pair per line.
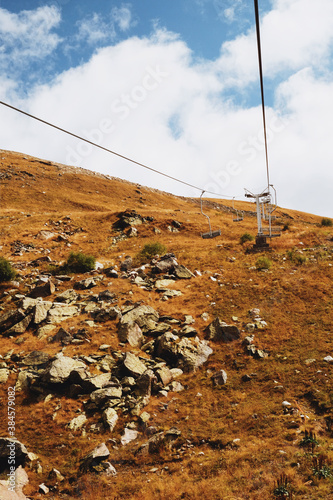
28, 35
147, 98
293, 34
94, 30
122, 17
97, 29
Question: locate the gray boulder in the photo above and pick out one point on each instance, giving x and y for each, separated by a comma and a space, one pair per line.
144, 316
186, 354
102, 396
144, 383
181, 272
110, 418
61, 369
94, 458
102, 314
20, 327
62, 336
219, 331
68, 296
85, 284
133, 365
131, 333
40, 311
43, 290
61, 312
219, 378
10, 319
4, 375
159, 440
36, 358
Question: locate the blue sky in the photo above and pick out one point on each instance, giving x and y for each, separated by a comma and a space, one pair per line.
174, 84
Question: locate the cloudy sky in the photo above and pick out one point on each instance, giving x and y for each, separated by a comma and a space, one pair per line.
174, 84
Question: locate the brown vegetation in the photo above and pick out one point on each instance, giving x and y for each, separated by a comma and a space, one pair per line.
236, 440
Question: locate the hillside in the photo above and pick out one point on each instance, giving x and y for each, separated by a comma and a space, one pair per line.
219, 371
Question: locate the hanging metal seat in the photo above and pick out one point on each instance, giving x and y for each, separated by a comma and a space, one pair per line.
211, 234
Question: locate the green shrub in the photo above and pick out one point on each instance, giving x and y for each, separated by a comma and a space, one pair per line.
246, 237
326, 222
283, 487
321, 468
263, 263
309, 440
150, 250
7, 273
77, 262
296, 257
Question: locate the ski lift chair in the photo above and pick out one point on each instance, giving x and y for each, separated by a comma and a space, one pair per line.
238, 215
211, 234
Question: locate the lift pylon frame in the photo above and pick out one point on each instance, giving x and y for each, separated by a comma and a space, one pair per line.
265, 199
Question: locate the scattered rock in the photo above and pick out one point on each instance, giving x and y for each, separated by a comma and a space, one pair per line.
4, 374
62, 336
133, 365
131, 333
61, 368
36, 358
128, 436
94, 458
158, 440
85, 284
43, 290
218, 330
68, 296
102, 396
61, 312
110, 418
10, 319
219, 378
181, 272
77, 423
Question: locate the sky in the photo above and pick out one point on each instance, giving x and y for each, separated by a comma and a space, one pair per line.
174, 85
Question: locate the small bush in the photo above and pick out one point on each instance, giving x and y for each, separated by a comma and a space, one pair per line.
326, 222
321, 467
245, 237
309, 440
296, 257
263, 263
150, 250
77, 262
283, 488
7, 273
286, 226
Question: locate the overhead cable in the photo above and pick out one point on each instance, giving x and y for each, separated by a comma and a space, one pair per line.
110, 151
256, 8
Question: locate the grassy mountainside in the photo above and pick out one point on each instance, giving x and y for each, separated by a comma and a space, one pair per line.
238, 439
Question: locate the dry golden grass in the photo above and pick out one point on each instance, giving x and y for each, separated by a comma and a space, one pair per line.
295, 300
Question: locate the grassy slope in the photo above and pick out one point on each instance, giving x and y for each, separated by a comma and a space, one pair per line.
295, 300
